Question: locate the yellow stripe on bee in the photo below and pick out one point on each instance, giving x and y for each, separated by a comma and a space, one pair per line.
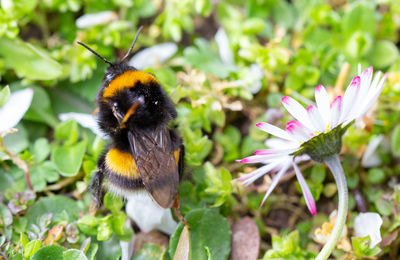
128, 79
122, 163
176, 155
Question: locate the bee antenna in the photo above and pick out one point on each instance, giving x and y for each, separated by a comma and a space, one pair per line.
95, 53
133, 44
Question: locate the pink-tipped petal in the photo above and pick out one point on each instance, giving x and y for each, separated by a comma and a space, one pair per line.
275, 181
316, 119
297, 111
323, 104
306, 191
349, 98
298, 131
278, 152
336, 111
254, 175
273, 130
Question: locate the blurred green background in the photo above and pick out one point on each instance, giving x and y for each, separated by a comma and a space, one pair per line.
227, 65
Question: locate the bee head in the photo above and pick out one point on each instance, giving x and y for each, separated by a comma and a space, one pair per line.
131, 99
134, 100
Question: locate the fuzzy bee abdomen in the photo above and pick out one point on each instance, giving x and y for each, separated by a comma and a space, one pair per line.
122, 172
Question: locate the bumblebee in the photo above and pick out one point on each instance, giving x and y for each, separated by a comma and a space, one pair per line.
144, 153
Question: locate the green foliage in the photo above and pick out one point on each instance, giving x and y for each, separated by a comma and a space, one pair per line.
150, 252
362, 249
218, 96
287, 247
207, 229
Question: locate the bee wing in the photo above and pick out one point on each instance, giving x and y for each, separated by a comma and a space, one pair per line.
154, 156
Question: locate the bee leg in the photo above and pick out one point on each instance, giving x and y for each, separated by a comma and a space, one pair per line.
178, 212
96, 185
181, 161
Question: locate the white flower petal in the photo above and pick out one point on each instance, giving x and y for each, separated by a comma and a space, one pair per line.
275, 180
306, 190
278, 143
85, 120
276, 131
349, 98
369, 224
254, 175
225, 51
149, 57
15, 108
298, 131
336, 111
148, 215
370, 159
322, 100
297, 111
89, 20
316, 119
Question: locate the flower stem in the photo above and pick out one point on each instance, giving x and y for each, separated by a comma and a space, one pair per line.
334, 165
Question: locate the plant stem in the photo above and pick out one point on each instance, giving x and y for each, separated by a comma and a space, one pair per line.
334, 165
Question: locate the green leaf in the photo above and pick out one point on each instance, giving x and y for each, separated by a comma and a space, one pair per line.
383, 54
361, 247
360, 18
104, 230
55, 204
118, 221
383, 206
41, 149
150, 252
376, 175
219, 183
17, 142
6, 217
88, 224
52, 252
113, 202
395, 141
67, 131
74, 254
28, 61
207, 229
32, 247
68, 159
40, 109
4, 95
91, 253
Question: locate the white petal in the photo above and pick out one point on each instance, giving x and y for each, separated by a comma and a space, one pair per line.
298, 131
349, 98
254, 175
148, 215
89, 20
85, 120
151, 56
316, 119
276, 131
275, 180
297, 111
15, 108
369, 224
225, 51
306, 191
336, 111
372, 96
323, 104
277, 143
370, 159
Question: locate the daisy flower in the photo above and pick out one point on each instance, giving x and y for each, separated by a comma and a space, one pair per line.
316, 132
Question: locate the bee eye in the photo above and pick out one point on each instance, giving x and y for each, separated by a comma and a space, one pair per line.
115, 105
